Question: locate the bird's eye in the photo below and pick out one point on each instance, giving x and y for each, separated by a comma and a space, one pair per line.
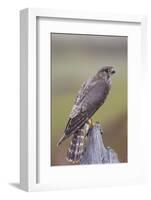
106, 70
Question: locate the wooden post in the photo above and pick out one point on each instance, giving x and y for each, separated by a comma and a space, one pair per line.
96, 152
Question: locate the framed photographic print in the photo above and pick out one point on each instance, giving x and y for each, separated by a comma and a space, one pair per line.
81, 123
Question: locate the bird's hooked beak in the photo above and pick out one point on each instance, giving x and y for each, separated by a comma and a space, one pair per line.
113, 71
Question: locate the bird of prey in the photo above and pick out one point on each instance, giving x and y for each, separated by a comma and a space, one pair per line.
90, 98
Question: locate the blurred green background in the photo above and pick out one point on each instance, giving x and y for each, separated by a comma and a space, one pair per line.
75, 58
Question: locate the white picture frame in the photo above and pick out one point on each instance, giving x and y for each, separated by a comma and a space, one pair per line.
31, 167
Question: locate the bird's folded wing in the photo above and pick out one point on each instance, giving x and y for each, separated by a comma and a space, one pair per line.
82, 92
93, 98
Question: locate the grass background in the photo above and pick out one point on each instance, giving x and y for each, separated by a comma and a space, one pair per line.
75, 58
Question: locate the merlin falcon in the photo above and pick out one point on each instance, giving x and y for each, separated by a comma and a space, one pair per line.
89, 99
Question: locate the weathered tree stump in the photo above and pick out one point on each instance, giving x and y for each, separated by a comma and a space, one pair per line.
96, 152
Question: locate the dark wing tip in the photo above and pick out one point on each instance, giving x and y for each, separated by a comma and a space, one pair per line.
61, 140
76, 123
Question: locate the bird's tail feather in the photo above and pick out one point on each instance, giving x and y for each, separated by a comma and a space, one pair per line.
76, 147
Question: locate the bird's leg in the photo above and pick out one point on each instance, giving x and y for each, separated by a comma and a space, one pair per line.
88, 125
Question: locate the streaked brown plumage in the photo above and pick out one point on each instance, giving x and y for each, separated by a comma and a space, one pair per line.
90, 98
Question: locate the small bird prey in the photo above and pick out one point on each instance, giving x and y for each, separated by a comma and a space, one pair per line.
90, 98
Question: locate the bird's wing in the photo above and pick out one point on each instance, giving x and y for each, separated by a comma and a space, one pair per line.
79, 98
83, 91
93, 98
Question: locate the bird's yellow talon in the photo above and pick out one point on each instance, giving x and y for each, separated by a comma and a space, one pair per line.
90, 123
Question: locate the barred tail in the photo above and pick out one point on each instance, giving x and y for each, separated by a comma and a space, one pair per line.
76, 147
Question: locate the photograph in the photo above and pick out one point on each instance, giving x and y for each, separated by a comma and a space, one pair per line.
89, 99
82, 106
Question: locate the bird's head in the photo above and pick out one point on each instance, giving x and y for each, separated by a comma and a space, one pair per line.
106, 72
